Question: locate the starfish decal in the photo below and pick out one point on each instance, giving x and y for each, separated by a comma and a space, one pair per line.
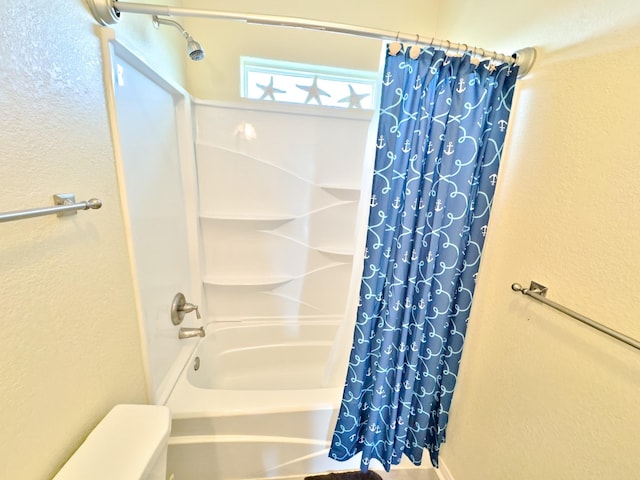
354, 98
269, 90
314, 91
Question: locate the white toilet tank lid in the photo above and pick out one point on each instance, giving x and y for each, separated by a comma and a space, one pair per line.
124, 445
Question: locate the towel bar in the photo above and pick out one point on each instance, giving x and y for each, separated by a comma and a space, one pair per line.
65, 205
538, 292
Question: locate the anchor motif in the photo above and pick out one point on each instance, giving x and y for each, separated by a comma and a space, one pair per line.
407, 146
418, 206
439, 206
396, 203
400, 420
407, 385
418, 84
374, 201
380, 391
461, 88
449, 149
405, 257
430, 148
402, 347
388, 351
430, 257
414, 347
387, 252
380, 145
397, 387
414, 255
483, 229
388, 79
421, 304
502, 124
407, 302
397, 306
366, 252
494, 179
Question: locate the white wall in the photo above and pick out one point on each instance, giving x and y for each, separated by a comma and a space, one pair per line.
217, 77
70, 347
539, 395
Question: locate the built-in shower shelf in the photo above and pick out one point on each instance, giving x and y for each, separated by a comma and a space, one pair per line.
248, 218
335, 250
343, 192
249, 282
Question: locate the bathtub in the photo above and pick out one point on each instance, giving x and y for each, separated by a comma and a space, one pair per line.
256, 406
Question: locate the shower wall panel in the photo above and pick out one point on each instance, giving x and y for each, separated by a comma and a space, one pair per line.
279, 189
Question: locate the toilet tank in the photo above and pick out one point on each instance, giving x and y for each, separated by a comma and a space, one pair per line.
130, 443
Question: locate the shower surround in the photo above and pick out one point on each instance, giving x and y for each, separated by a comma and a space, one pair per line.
279, 189
279, 196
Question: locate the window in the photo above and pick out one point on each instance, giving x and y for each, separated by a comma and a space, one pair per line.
278, 81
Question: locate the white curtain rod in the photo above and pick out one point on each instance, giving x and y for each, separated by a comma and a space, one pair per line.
107, 12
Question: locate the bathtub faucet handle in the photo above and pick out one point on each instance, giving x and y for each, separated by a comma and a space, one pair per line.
180, 307
190, 307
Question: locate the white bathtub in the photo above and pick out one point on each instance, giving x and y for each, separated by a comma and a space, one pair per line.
256, 407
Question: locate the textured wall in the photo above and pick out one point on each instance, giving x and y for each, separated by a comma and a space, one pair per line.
218, 76
540, 395
70, 347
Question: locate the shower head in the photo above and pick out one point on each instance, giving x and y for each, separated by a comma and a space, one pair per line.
194, 49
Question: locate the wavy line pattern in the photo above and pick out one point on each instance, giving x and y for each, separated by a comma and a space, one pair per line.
442, 126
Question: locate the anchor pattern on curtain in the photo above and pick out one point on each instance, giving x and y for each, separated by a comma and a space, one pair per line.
441, 133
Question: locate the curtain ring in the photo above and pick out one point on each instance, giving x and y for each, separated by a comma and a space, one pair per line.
414, 51
464, 51
395, 47
493, 60
474, 58
512, 63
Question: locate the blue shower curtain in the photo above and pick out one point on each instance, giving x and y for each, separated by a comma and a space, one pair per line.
441, 133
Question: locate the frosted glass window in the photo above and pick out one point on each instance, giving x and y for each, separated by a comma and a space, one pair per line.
277, 81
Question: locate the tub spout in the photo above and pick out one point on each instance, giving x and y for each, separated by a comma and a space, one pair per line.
190, 332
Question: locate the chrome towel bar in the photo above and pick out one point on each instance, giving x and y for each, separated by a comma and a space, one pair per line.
538, 292
65, 204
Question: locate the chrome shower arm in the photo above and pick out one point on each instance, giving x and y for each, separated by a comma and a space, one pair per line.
157, 21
